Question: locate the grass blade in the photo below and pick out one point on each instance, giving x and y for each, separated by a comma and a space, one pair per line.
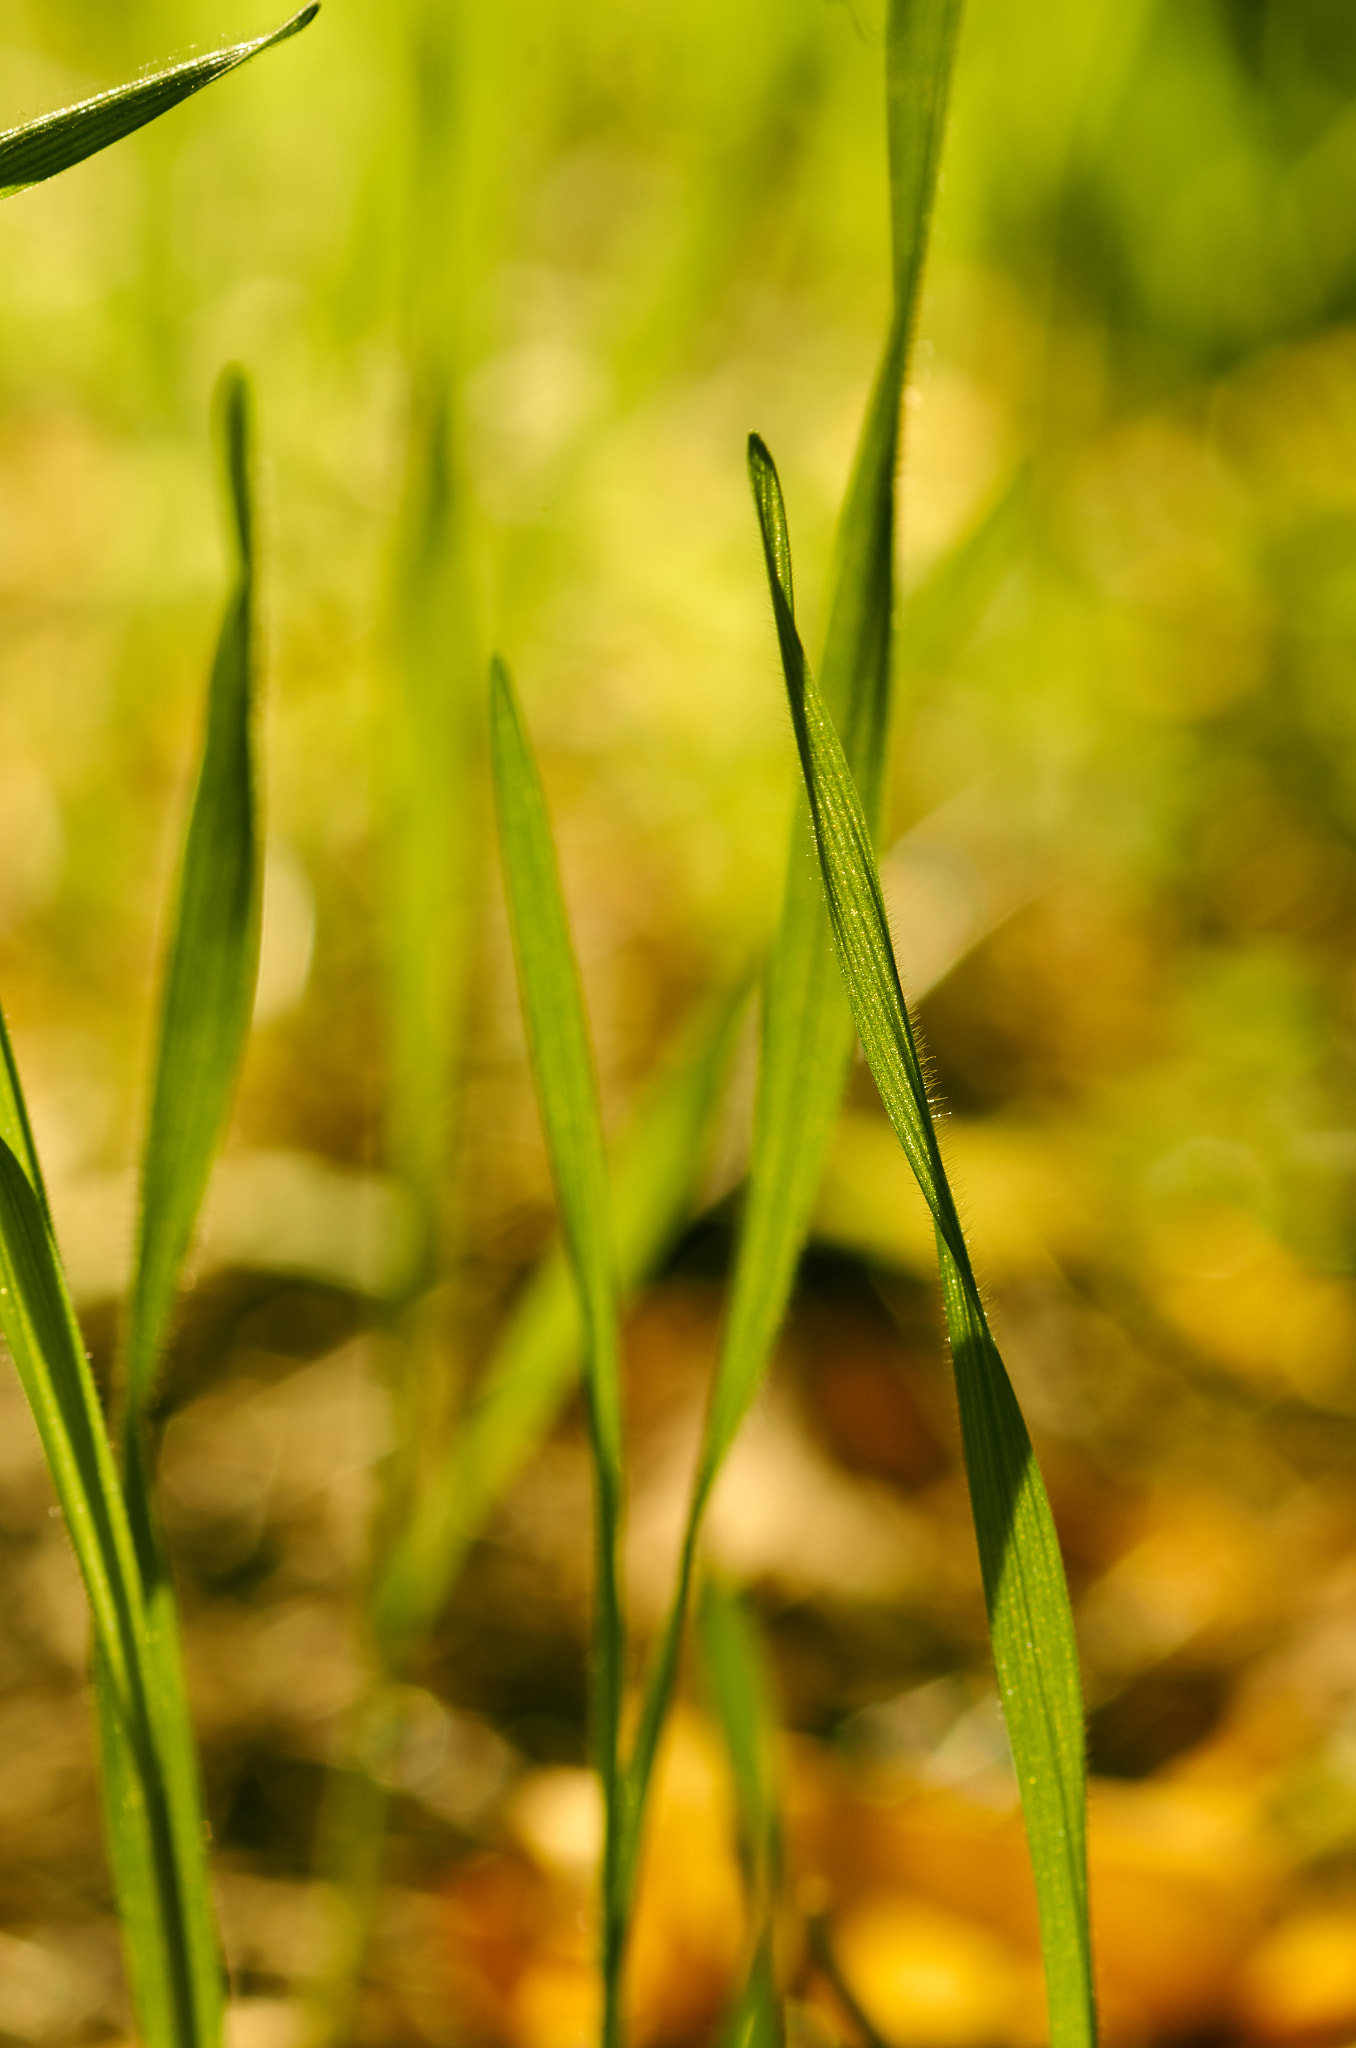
739, 1684
567, 1094
807, 1034
213, 951
758, 2020
149, 1748
209, 992
1030, 1625
56, 142
807, 1030
738, 1681
15, 1130
653, 1175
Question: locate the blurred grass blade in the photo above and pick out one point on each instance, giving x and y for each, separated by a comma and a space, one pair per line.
178, 2006
653, 1175
757, 2020
807, 1030
56, 142
740, 1689
1029, 1620
213, 950
567, 1094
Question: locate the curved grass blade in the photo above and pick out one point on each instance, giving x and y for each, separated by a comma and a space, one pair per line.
807, 1030
209, 992
56, 142
653, 1174
213, 951
1030, 1625
807, 1034
149, 1746
567, 1095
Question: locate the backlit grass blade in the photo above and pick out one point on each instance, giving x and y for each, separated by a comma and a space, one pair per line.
15, 1130
567, 1095
807, 1034
56, 142
150, 1747
209, 992
136, 1808
807, 1029
653, 1175
213, 950
1029, 1620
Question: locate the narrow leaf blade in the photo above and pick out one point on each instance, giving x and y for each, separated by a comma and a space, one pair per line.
213, 951
1031, 1628
56, 142
807, 1028
567, 1094
148, 1747
740, 1688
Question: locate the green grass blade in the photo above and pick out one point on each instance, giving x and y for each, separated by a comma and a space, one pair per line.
209, 993
15, 1130
1031, 1628
160, 1992
136, 1825
807, 1033
807, 1029
150, 1749
567, 1094
186, 1820
739, 1685
653, 1176
757, 2020
56, 142
213, 950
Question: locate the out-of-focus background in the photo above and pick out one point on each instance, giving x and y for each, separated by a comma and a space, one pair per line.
578, 253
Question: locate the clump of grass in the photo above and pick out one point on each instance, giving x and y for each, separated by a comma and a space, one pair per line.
807, 1032
832, 968
152, 1800
151, 1793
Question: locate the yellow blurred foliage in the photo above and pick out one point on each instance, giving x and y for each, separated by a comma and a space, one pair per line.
1024, 1200
1182, 1878
1198, 1571
690, 1925
1299, 1983
1251, 1306
522, 1934
927, 1978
